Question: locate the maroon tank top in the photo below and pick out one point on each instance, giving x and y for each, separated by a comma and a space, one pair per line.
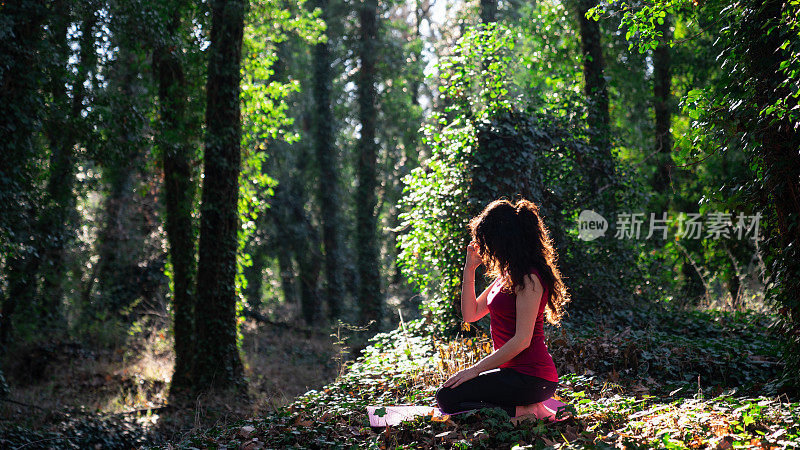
535, 359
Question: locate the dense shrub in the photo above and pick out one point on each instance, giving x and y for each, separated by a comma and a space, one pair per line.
490, 143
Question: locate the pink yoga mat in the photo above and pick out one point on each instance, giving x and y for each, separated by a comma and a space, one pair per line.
554, 405
382, 416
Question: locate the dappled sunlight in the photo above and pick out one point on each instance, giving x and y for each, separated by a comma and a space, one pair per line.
405, 367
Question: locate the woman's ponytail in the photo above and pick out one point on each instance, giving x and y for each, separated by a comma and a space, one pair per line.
529, 220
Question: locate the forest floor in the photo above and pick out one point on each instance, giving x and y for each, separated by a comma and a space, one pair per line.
109, 390
634, 379
653, 378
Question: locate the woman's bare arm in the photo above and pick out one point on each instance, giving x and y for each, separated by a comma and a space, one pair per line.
472, 309
528, 300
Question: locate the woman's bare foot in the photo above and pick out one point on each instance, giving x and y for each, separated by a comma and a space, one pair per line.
538, 410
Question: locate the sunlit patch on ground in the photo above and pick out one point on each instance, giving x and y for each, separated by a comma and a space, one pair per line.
118, 397
615, 407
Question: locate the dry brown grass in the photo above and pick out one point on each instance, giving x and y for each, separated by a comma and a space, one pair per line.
452, 356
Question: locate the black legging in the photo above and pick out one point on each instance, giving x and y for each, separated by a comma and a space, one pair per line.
499, 388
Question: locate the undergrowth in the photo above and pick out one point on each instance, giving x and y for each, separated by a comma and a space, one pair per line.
635, 379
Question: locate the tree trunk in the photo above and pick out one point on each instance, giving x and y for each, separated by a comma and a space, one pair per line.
306, 242
121, 239
281, 216
64, 132
254, 274
369, 289
175, 142
779, 139
219, 365
596, 91
20, 94
488, 11
306, 245
595, 87
662, 85
327, 161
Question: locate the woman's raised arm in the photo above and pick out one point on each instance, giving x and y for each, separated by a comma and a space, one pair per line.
472, 309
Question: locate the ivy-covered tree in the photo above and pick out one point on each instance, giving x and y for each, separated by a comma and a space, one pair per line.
370, 297
219, 365
65, 129
595, 88
662, 106
20, 90
125, 107
176, 141
327, 161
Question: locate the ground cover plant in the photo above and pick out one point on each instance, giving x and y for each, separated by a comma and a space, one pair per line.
635, 389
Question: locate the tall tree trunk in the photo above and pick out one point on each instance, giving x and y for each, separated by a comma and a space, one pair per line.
219, 365
595, 87
662, 85
596, 90
64, 132
306, 241
121, 238
306, 245
127, 99
779, 139
176, 148
488, 11
369, 290
20, 94
59, 184
281, 216
328, 164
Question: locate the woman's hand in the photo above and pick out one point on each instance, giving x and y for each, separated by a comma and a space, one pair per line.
473, 257
461, 376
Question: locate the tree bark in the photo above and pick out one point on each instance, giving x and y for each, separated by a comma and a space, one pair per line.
219, 365
306, 246
176, 151
328, 164
779, 139
121, 239
281, 216
595, 87
369, 290
662, 85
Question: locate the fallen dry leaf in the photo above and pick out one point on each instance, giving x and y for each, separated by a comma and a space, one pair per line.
246, 431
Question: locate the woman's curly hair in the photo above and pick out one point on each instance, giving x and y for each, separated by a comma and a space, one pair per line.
512, 240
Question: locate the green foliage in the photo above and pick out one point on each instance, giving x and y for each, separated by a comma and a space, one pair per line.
654, 409
79, 431
745, 118
264, 112
490, 143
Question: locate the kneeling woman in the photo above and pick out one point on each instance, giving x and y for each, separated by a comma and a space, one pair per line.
513, 243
